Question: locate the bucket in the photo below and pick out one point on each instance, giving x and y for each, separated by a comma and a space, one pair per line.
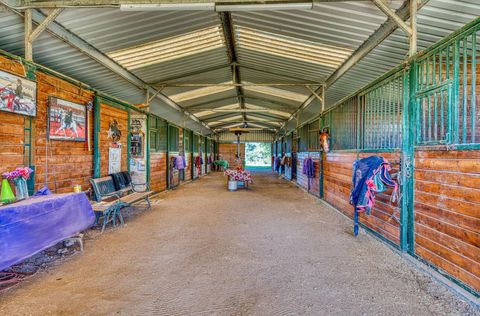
232, 185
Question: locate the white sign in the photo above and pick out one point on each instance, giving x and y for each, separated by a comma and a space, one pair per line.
114, 160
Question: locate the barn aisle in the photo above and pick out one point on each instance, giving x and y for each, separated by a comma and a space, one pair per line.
273, 250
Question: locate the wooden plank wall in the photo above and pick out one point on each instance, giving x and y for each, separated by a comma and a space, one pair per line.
176, 174
302, 179
158, 171
188, 164
68, 163
228, 152
337, 184
108, 114
288, 170
447, 212
11, 127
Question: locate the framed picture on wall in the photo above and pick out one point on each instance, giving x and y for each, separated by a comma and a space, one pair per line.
66, 120
17, 95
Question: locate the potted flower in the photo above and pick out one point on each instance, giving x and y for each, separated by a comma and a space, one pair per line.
19, 176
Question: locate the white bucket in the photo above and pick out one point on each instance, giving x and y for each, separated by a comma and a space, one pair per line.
232, 185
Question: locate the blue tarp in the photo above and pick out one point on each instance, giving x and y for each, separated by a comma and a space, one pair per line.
33, 225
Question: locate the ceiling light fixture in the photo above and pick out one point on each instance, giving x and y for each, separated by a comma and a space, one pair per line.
211, 6
169, 7
264, 7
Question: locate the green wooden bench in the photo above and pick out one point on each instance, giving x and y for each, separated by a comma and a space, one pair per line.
114, 192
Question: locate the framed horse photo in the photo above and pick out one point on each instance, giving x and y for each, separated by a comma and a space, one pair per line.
17, 95
66, 120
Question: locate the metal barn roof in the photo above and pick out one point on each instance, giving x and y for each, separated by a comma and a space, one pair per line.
225, 69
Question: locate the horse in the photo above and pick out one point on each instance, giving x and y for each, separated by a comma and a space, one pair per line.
67, 122
325, 139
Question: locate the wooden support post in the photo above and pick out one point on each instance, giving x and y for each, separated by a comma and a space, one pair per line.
315, 93
413, 27
28, 31
394, 16
31, 35
96, 137
44, 24
323, 97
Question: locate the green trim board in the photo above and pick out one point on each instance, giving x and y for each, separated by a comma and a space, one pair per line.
147, 149
96, 137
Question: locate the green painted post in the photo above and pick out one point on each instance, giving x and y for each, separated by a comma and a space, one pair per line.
147, 149
453, 101
322, 154
168, 156
96, 137
128, 141
192, 165
407, 220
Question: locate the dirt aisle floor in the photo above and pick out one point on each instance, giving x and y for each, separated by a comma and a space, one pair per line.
273, 250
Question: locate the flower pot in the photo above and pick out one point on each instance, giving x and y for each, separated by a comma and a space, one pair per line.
6, 195
21, 188
232, 185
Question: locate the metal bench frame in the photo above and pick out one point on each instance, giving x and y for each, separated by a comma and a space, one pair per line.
104, 189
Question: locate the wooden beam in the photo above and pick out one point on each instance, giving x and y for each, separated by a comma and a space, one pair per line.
43, 25
229, 37
26, 35
315, 93
373, 41
392, 15
188, 74
75, 41
248, 84
22, 4
413, 26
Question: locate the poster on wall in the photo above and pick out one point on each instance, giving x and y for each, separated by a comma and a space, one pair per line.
114, 160
67, 120
17, 95
138, 124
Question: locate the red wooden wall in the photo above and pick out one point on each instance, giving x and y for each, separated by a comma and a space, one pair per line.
337, 184
68, 162
447, 212
107, 115
302, 179
158, 171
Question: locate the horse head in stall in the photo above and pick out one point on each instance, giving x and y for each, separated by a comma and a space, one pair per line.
325, 139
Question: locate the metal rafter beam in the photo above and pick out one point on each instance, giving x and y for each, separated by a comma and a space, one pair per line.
206, 103
269, 102
44, 24
229, 36
193, 73
214, 117
393, 15
249, 84
266, 124
269, 72
75, 41
23, 4
373, 41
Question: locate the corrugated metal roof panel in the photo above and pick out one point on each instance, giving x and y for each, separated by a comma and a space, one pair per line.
436, 20
61, 57
110, 29
285, 45
252, 136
